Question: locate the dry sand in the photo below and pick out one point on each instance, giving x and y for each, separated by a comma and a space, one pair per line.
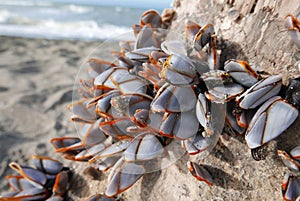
37, 78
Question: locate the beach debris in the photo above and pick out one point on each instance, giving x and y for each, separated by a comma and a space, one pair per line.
159, 92
47, 180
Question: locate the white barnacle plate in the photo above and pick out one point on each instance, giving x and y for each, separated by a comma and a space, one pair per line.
191, 29
141, 117
35, 177
97, 66
47, 165
151, 17
181, 64
30, 194
122, 176
141, 54
174, 99
295, 153
155, 56
106, 163
290, 187
103, 104
81, 113
270, 120
260, 92
18, 183
241, 72
121, 79
127, 104
143, 147
173, 47
113, 150
65, 144
224, 93
179, 125
96, 149
197, 144
205, 116
117, 128
202, 110
146, 38
179, 70
288, 160
203, 36
91, 134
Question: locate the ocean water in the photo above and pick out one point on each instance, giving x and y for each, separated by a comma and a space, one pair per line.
73, 19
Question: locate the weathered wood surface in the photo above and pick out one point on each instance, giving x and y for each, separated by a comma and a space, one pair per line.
251, 30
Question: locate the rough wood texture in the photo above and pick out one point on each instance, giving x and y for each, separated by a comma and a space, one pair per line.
253, 30
250, 30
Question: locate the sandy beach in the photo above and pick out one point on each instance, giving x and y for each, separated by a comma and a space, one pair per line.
37, 78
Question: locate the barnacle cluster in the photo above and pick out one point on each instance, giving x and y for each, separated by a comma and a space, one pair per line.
47, 180
161, 94
291, 183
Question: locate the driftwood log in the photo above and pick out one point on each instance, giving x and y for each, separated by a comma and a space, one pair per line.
253, 31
